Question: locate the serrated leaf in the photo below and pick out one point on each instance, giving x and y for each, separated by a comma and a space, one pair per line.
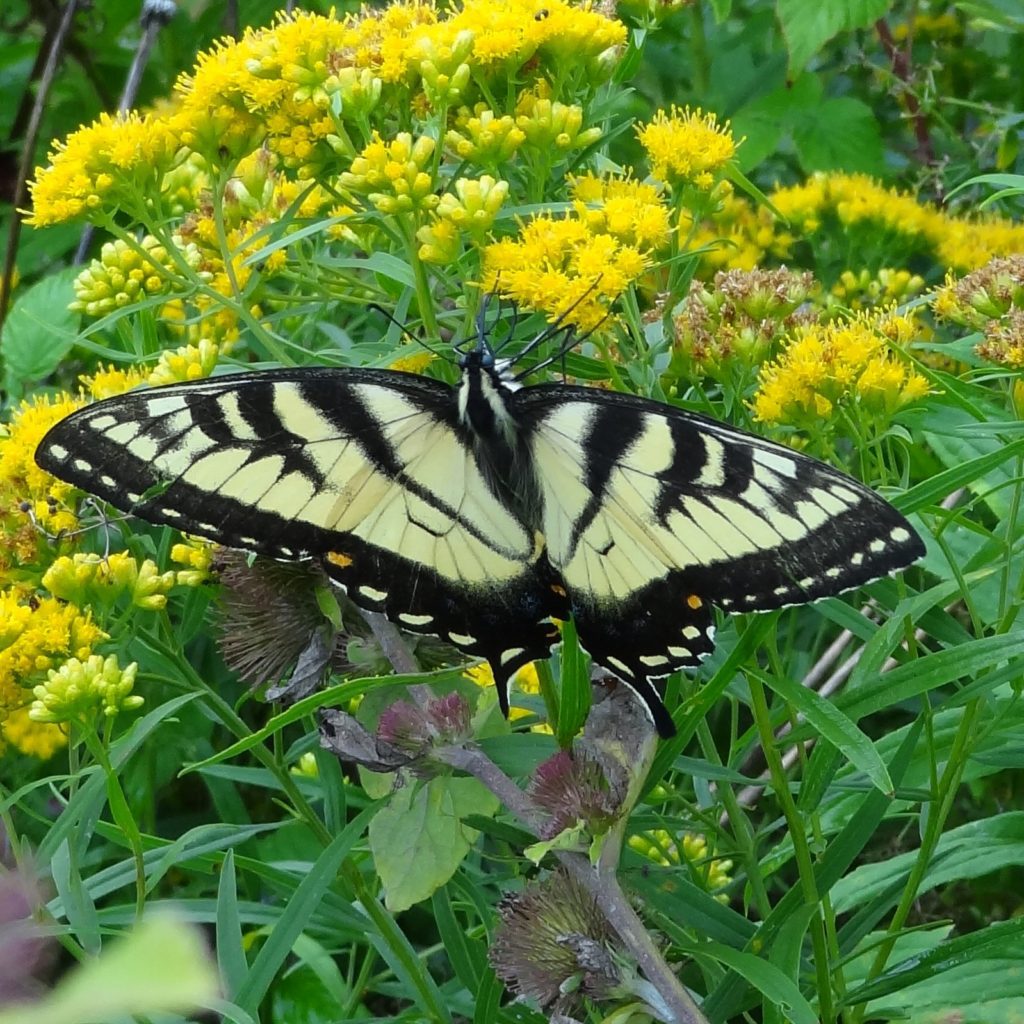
808, 26
418, 840
839, 134
39, 331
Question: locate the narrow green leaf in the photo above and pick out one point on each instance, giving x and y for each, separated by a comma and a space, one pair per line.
968, 851
835, 727
935, 488
288, 927
931, 671
389, 940
575, 703
1002, 940
230, 948
464, 954
764, 976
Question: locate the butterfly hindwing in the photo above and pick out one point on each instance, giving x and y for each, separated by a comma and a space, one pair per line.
364, 470
652, 513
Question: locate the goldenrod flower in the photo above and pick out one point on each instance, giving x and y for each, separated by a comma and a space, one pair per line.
38, 739
846, 362
986, 294
1004, 340
89, 579
964, 244
548, 124
197, 555
190, 362
415, 363
115, 161
483, 138
477, 201
863, 289
123, 275
556, 264
35, 634
440, 242
735, 324
631, 211
713, 874
25, 488
79, 689
109, 381
687, 147
393, 176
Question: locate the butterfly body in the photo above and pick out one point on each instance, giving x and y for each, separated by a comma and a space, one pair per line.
484, 511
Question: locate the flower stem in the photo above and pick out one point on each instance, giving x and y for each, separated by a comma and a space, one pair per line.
801, 850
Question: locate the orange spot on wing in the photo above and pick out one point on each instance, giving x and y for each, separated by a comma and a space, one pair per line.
339, 558
559, 590
694, 602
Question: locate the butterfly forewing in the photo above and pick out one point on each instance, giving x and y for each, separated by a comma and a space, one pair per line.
360, 469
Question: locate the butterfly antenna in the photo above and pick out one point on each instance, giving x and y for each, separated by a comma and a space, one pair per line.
408, 334
556, 327
571, 341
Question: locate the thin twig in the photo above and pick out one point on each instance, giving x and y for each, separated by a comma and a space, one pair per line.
899, 60
28, 153
155, 14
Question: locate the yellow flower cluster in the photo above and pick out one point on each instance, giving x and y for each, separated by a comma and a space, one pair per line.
669, 850
113, 161
25, 488
559, 264
196, 555
687, 147
394, 176
990, 300
37, 633
586, 260
88, 579
824, 368
39, 739
469, 212
307, 84
123, 275
631, 211
80, 689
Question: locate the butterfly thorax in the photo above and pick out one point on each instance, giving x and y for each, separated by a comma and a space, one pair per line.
486, 416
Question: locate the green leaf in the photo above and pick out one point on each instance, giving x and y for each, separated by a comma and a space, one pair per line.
931, 671
1003, 940
162, 967
839, 134
39, 331
831, 723
230, 946
764, 976
808, 24
575, 677
969, 851
418, 840
308, 894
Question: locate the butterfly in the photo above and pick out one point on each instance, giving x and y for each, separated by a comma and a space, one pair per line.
485, 512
